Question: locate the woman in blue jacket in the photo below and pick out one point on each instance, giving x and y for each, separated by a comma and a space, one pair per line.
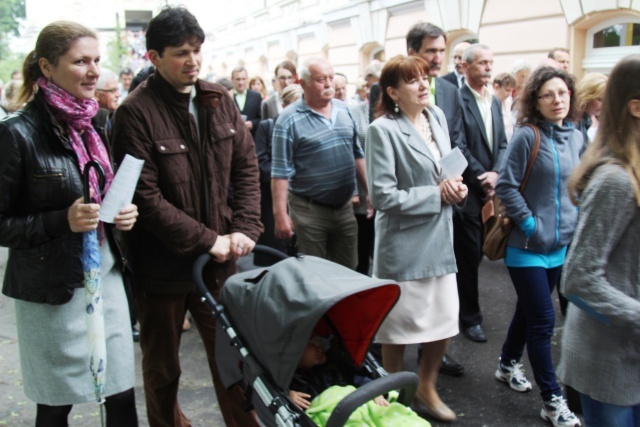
545, 219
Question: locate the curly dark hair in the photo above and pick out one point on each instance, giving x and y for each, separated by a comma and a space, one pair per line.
528, 101
398, 68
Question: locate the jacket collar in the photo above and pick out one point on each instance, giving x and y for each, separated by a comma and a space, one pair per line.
415, 139
206, 97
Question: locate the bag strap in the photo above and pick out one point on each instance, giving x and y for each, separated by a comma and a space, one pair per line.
532, 157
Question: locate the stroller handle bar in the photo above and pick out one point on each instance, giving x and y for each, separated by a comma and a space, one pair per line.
204, 259
406, 382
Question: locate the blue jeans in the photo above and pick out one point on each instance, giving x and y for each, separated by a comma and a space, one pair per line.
600, 414
533, 323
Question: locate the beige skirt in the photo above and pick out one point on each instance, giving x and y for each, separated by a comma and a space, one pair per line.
427, 311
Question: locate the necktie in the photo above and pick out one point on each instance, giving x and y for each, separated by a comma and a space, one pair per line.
462, 81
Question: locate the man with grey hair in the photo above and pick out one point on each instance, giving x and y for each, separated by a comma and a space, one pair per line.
340, 87
485, 146
107, 90
247, 100
520, 70
316, 158
456, 77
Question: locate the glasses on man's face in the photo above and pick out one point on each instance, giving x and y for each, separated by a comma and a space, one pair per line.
549, 97
108, 90
285, 78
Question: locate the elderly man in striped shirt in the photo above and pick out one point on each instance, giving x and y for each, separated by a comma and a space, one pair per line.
316, 158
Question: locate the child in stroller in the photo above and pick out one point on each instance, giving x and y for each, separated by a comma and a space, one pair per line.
315, 374
266, 317
319, 384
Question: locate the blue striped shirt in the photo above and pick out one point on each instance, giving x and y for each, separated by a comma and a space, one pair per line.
315, 154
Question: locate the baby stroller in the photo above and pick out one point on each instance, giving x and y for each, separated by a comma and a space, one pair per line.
266, 317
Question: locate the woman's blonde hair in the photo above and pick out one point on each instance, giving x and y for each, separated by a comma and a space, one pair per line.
618, 137
291, 94
590, 88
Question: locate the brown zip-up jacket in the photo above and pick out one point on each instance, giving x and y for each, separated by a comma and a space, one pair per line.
192, 188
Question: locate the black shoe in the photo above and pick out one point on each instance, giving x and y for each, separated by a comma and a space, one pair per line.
451, 367
475, 333
136, 334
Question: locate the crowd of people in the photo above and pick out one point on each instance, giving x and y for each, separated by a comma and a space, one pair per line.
358, 180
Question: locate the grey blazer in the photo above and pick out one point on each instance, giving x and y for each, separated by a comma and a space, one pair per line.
269, 107
414, 233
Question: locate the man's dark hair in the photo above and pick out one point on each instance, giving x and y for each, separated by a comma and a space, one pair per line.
552, 53
419, 31
173, 27
126, 72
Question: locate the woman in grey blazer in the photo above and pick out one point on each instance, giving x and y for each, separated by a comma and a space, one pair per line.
601, 278
413, 243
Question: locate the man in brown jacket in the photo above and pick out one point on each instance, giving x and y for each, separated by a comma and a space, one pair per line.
196, 148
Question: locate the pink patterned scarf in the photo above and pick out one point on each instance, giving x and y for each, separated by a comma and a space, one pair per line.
76, 115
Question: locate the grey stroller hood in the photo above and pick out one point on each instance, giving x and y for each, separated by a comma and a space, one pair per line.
275, 310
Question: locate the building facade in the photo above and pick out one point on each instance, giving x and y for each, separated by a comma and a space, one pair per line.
351, 33
258, 34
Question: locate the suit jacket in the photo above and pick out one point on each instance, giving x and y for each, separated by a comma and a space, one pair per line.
451, 78
270, 107
448, 100
251, 109
413, 228
476, 149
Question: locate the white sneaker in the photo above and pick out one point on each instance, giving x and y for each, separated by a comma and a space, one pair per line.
558, 413
514, 376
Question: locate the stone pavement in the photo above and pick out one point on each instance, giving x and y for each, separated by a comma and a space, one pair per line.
478, 399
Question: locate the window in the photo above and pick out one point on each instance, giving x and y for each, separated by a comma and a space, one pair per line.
609, 41
627, 34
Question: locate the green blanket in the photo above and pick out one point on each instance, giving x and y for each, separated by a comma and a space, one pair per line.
369, 414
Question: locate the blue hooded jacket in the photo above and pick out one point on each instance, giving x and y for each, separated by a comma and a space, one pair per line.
545, 211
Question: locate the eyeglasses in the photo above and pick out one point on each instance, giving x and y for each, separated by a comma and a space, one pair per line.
458, 57
285, 78
551, 96
108, 90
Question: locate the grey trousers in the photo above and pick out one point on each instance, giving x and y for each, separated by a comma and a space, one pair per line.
325, 232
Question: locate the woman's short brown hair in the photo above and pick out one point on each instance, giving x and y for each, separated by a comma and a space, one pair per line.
398, 68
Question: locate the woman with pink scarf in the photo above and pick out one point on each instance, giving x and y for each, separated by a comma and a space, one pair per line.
44, 149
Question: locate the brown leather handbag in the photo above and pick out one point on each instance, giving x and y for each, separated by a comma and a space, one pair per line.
497, 224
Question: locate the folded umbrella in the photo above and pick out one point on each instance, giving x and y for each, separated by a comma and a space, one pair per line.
91, 259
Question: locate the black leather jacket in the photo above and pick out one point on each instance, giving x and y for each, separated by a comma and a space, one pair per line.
39, 180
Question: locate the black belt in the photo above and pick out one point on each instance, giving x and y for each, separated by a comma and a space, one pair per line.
315, 202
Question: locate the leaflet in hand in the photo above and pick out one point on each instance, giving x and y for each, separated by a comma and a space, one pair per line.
453, 164
122, 188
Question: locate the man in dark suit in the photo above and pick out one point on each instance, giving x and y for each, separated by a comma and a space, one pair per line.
429, 42
456, 77
247, 100
485, 145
